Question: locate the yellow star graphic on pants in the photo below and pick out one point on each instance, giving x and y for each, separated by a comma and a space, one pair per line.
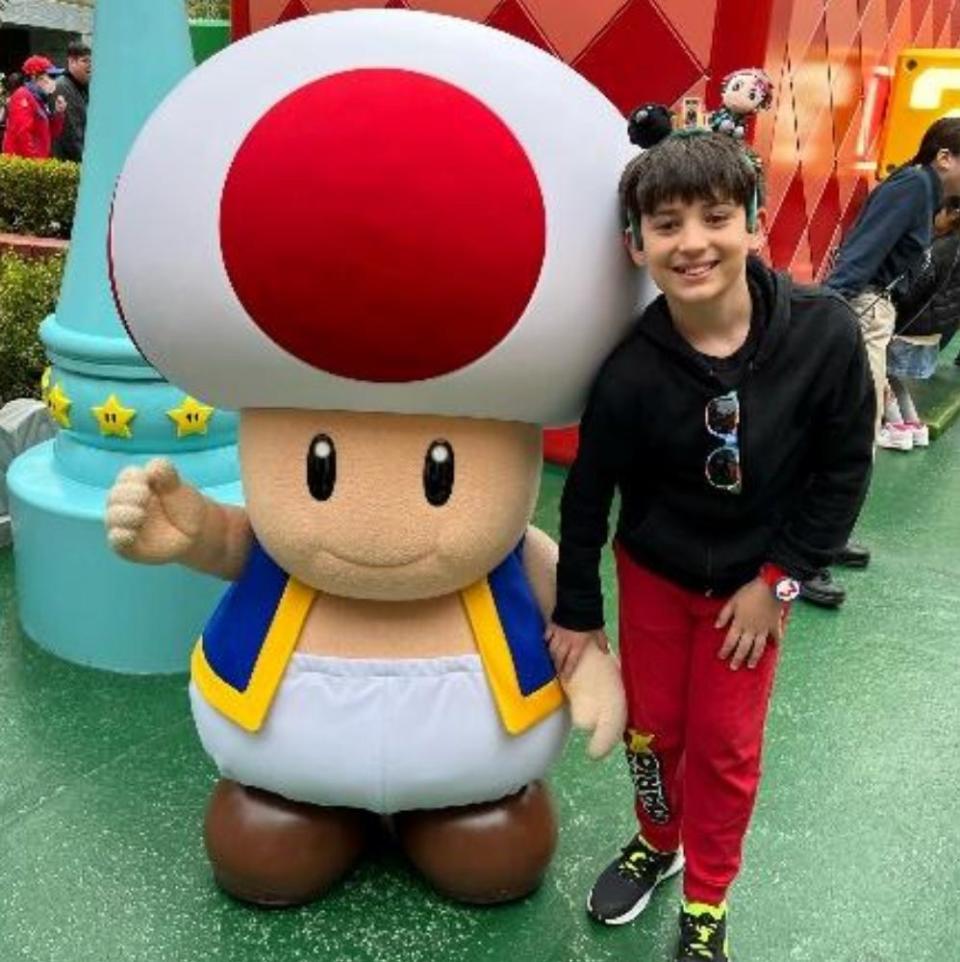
45, 383
639, 743
114, 419
191, 417
59, 405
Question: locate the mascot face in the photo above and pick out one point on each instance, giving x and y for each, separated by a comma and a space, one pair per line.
388, 508
398, 255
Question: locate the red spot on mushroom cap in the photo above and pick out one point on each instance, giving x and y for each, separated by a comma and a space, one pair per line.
383, 225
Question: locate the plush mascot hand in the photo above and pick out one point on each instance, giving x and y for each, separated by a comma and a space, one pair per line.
152, 516
598, 703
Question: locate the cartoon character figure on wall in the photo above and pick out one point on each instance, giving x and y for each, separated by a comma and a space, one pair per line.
397, 295
742, 94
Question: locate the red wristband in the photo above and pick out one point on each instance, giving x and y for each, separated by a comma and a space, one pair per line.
771, 575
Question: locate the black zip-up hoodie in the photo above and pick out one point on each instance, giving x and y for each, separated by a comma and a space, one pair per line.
806, 451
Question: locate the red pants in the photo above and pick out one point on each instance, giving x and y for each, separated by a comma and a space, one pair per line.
695, 727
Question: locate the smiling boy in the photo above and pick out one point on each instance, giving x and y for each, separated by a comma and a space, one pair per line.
737, 423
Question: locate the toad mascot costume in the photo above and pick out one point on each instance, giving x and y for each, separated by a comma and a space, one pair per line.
390, 239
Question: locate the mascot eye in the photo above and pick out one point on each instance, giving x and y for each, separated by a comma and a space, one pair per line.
438, 473
321, 467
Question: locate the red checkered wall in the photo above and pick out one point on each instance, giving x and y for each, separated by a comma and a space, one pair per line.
821, 56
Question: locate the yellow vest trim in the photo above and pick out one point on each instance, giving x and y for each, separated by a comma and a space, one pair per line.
248, 708
517, 711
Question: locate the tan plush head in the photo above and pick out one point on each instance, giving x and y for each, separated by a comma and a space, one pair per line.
387, 507
439, 253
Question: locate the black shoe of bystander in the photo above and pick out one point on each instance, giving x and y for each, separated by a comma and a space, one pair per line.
822, 590
852, 555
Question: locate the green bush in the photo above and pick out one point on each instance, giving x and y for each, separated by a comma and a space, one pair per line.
208, 9
28, 293
37, 196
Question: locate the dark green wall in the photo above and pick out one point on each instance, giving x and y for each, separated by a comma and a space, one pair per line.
208, 37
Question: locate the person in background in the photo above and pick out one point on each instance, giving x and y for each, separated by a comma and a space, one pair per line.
32, 124
927, 312
889, 240
8, 84
946, 301
74, 87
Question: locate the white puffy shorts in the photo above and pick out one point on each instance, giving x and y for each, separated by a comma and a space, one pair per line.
382, 735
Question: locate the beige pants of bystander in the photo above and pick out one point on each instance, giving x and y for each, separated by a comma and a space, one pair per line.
876, 315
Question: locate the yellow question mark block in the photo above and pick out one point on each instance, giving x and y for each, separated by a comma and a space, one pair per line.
926, 87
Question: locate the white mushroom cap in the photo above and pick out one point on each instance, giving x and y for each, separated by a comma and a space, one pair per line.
378, 210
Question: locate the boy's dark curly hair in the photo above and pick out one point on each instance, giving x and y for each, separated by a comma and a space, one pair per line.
689, 165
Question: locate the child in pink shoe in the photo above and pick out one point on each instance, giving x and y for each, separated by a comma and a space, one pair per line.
928, 309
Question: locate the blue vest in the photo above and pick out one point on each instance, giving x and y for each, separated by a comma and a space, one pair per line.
240, 659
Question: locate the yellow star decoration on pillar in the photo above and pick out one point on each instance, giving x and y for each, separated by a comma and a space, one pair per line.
45, 384
59, 405
639, 743
114, 419
191, 417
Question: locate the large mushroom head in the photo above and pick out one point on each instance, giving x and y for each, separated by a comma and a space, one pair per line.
380, 211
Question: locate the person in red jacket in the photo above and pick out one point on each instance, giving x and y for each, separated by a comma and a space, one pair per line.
32, 124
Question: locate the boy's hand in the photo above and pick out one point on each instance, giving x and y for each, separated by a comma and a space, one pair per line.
755, 615
567, 646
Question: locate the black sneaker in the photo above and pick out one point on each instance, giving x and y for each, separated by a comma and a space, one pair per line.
822, 590
624, 889
703, 933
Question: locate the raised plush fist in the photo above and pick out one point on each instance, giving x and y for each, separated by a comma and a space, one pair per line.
152, 516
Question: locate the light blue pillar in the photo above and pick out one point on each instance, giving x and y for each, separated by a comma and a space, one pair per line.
76, 598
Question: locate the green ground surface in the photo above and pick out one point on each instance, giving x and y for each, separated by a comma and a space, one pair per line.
854, 854
939, 398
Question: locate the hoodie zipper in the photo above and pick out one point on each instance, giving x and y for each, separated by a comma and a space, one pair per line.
742, 439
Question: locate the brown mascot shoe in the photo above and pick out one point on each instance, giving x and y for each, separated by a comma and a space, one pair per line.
273, 852
483, 854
